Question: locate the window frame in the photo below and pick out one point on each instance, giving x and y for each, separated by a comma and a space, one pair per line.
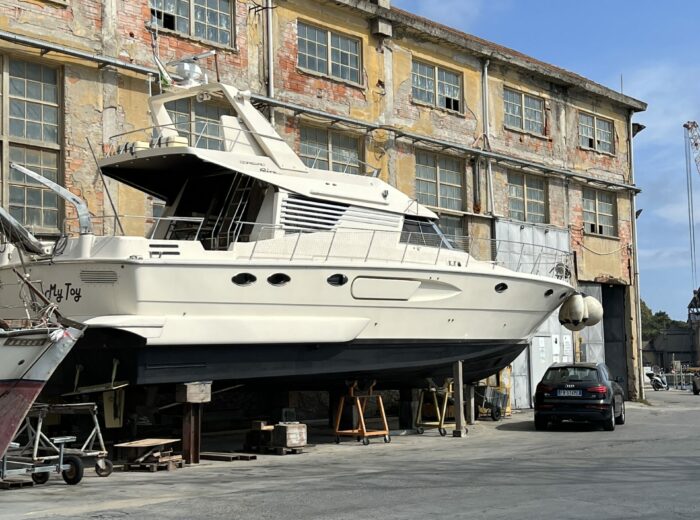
329, 55
596, 146
523, 117
194, 136
436, 87
330, 133
598, 232
525, 199
233, 43
438, 183
7, 141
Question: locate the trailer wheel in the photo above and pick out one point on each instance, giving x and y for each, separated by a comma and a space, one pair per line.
40, 478
365, 441
496, 413
107, 470
74, 474
387, 439
420, 430
442, 432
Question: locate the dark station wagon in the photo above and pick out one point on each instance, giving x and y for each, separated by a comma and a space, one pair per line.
579, 392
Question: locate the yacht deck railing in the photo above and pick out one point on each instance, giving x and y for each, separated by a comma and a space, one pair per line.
254, 241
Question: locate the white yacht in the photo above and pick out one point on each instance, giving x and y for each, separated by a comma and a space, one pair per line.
262, 267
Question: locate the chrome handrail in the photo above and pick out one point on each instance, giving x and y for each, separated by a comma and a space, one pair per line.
275, 241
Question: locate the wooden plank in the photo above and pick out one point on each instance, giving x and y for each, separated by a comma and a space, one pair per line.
15, 484
146, 443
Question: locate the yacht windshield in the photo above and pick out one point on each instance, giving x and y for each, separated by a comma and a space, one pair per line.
424, 233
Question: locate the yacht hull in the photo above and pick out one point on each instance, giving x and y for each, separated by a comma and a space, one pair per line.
28, 358
316, 364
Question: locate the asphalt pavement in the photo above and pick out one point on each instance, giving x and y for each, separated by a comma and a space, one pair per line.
648, 468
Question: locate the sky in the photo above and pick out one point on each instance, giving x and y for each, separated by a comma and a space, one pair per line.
651, 45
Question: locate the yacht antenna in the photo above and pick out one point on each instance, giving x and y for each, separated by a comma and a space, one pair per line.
78, 203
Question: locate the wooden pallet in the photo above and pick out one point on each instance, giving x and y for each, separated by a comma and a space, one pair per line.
225, 456
15, 484
154, 466
277, 450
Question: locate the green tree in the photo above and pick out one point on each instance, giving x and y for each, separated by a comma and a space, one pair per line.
654, 322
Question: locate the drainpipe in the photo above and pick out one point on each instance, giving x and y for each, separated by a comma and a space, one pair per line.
485, 112
270, 55
635, 281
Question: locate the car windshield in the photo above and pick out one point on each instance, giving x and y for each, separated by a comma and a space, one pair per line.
570, 375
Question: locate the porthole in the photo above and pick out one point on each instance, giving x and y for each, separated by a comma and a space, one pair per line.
244, 279
501, 287
336, 280
21, 362
278, 279
549, 292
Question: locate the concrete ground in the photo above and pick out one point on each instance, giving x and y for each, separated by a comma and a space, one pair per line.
648, 468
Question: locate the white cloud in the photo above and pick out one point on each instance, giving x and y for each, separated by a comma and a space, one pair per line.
664, 258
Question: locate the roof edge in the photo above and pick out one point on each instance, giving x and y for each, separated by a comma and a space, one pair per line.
492, 51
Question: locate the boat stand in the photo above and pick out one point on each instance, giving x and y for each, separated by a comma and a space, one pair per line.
439, 397
39, 448
358, 399
69, 466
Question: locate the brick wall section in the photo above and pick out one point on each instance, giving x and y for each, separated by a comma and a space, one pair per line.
135, 39
309, 89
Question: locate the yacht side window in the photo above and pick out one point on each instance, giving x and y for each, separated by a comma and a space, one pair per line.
424, 233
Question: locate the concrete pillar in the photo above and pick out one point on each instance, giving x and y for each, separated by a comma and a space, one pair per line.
458, 396
408, 404
470, 404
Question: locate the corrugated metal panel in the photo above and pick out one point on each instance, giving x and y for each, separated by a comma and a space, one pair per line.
593, 347
520, 245
552, 343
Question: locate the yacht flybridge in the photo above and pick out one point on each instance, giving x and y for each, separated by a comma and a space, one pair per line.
263, 267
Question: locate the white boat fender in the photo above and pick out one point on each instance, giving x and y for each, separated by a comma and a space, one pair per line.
573, 309
594, 309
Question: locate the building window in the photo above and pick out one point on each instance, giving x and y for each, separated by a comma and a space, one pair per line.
206, 19
200, 122
439, 181
452, 226
595, 133
32, 136
316, 48
599, 212
328, 150
436, 86
527, 198
523, 111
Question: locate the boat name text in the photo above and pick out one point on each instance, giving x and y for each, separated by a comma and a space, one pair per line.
67, 291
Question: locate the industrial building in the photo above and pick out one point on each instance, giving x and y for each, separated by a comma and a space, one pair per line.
500, 145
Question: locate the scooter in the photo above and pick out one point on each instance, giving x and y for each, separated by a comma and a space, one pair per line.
658, 381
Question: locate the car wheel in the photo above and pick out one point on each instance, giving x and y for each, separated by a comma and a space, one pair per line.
620, 419
540, 423
609, 424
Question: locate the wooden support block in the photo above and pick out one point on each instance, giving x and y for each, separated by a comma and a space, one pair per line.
225, 456
15, 484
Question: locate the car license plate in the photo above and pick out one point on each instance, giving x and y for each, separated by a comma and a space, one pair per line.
569, 393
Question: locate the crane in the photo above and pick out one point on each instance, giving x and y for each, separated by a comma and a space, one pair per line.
692, 151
